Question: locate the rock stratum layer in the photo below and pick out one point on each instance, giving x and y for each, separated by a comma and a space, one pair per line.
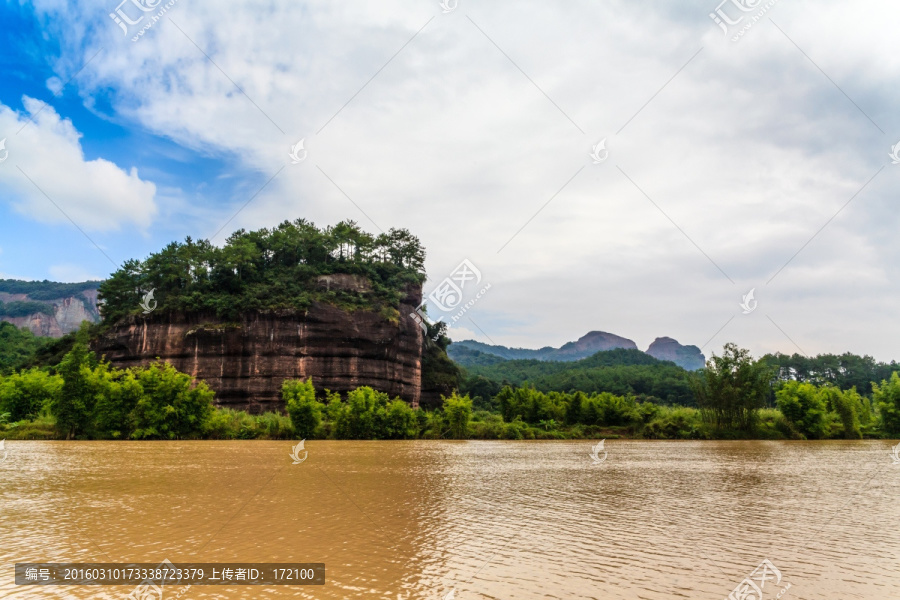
246, 362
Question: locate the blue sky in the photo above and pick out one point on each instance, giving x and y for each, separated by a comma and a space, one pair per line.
758, 164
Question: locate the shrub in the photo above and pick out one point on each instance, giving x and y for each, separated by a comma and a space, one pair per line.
458, 410
23, 395
170, 408
887, 398
805, 408
301, 404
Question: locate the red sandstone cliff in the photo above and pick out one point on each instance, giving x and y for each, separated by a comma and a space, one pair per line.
246, 362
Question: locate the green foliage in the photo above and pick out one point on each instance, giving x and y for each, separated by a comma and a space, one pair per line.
731, 389
17, 346
805, 408
458, 411
24, 308
887, 398
269, 269
170, 407
301, 404
230, 424
844, 371
439, 373
24, 395
117, 393
621, 372
74, 405
46, 290
369, 415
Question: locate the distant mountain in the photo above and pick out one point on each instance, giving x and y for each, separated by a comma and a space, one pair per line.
687, 357
48, 308
469, 352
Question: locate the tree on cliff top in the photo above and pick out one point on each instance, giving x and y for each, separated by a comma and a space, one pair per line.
268, 269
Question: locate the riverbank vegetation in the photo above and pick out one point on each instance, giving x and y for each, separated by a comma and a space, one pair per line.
84, 397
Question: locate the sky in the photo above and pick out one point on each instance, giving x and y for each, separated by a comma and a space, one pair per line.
631, 167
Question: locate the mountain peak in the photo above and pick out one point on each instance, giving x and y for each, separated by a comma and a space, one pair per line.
688, 357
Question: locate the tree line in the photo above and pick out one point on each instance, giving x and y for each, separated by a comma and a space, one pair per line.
267, 269
734, 396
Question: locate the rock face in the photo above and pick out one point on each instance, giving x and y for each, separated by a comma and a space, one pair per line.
68, 313
246, 362
591, 343
470, 352
587, 345
687, 357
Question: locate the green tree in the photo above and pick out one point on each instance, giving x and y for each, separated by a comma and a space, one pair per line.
847, 406
356, 420
74, 405
458, 411
731, 389
887, 398
17, 346
804, 408
23, 395
171, 408
117, 393
301, 404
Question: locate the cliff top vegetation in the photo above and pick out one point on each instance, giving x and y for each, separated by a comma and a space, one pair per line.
268, 269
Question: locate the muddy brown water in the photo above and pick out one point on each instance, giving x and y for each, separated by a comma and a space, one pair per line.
498, 520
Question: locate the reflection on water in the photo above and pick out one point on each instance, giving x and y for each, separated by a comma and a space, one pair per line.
499, 520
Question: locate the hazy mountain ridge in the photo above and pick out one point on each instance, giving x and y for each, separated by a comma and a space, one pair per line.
471, 352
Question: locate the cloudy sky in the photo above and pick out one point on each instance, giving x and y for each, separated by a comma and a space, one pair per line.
756, 158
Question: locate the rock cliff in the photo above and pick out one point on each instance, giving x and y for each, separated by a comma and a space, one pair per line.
245, 362
687, 357
62, 315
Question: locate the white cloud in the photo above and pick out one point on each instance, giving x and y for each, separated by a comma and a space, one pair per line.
750, 150
46, 165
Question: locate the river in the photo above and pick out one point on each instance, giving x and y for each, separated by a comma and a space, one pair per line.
498, 520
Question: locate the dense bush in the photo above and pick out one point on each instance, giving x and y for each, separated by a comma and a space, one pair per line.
302, 407
23, 308
17, 346
887, 398
23, 395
